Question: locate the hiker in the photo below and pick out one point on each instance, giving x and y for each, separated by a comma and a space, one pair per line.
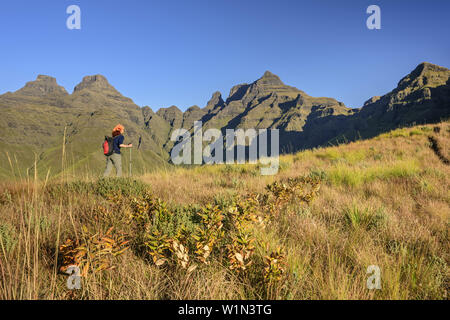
113, 156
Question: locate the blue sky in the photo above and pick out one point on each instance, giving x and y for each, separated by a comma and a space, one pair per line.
162, 53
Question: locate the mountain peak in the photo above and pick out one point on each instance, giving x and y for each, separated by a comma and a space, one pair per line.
43, 85
425, 74
172, 110
172, 114
216, 101
96, 82
268, 74
216, 95
269, 78
193, 108
42, 77
427, 67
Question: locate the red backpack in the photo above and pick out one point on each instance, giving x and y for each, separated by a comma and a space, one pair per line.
108, 146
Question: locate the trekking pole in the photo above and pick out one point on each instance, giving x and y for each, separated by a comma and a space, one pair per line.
130, 161
139, 145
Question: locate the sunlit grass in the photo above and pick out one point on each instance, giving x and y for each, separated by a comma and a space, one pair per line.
382, 202
344, 174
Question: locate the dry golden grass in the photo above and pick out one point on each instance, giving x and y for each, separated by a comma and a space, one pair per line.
383, 202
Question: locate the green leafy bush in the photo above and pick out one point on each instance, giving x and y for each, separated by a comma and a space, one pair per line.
8, 237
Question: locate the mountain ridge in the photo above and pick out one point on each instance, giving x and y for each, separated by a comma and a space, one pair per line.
39, 113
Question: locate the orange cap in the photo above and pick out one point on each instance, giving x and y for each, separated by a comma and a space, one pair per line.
119, 127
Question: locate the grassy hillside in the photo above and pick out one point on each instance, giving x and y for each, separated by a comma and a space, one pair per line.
226, 232
36, 119
33, 119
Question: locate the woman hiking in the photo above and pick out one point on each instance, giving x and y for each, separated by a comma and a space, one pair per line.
115, 158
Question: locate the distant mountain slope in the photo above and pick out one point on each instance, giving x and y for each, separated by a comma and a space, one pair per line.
33, 119
423, 96
306, 122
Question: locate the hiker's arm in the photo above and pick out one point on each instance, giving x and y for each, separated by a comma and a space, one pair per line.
126, 145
